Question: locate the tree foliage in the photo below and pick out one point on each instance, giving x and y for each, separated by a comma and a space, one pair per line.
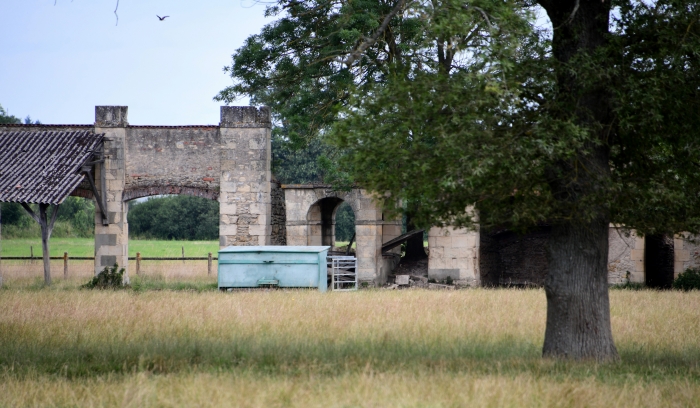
6, 118
460, 105
175, 217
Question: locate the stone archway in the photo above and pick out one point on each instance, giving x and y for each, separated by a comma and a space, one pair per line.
310, 208
229, 162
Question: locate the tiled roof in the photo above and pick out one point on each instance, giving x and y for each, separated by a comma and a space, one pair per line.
43, 166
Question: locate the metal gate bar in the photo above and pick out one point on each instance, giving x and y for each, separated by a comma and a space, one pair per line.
343, 273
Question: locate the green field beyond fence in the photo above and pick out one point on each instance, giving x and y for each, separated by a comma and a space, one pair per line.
85, 247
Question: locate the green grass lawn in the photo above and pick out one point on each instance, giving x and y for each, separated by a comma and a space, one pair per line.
86, 247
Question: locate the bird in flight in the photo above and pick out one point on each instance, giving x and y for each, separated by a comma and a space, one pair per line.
161, 18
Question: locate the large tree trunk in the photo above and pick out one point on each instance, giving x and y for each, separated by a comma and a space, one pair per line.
578, 309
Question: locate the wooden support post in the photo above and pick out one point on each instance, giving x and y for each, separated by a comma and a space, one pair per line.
183, 254
31, 253
138, 263
209, 265
65, 265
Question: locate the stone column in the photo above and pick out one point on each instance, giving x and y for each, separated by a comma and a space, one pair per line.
686, 248
454, 252
368, 235
625, 256
245, 195
112, 240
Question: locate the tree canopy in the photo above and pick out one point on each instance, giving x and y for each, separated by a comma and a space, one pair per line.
469, 104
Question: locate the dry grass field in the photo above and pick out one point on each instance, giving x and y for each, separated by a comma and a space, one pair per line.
177, 341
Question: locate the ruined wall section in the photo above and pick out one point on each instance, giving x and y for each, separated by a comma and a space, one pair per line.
625, 256
279, 215
454, 253
172, 160
686, 253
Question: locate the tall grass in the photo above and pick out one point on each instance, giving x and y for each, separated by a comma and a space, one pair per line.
304, 348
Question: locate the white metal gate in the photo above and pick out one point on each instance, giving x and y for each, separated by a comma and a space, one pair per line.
343, 272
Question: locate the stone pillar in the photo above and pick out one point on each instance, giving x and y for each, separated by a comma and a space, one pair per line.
686, 248
368, 234
112, 240
454, 252
245, 197
625, 256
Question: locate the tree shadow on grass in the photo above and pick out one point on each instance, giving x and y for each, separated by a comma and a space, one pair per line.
274, 356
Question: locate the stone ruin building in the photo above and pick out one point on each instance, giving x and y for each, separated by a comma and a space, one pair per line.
230, 162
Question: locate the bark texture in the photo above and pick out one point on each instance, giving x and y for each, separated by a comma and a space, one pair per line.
578, 307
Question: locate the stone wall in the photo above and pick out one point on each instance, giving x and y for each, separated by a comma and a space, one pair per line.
454, 253
625, 256
687, 253
510, 259
172, 160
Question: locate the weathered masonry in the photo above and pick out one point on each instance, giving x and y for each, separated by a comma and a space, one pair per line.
310, 220
230, 162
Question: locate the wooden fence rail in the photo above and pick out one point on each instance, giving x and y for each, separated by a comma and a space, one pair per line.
138, 258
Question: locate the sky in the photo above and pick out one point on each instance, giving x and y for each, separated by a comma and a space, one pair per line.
57, 62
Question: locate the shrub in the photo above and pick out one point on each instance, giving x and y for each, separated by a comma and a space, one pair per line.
688, 280
109, 278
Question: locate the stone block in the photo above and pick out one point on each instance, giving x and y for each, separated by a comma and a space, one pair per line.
365, 230
636, 254
245, 117
315, 230
107, 260
682, 255
451, 252
116, 250
228, 208
436, 263
367, 260
259, 230
442, 241
366, 274
111, 116
228, 229
402, 280
229, 186
105, 239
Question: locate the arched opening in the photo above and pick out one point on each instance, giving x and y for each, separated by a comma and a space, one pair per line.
331, 220
658, 261
173, 217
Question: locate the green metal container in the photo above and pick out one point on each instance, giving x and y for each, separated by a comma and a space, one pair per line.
280, 266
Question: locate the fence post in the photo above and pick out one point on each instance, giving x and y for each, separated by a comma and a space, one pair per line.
138, 263
65, 265
31, 253
209, 265
183, 254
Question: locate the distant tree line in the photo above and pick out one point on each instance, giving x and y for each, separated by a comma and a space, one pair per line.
7, 119
174, 217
